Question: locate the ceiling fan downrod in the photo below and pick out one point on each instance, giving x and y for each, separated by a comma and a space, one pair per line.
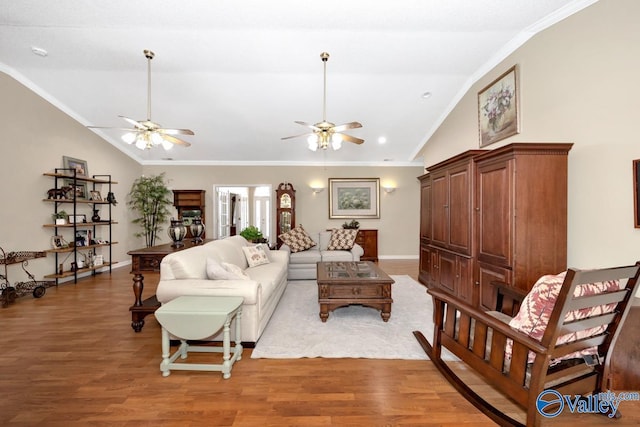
149, 55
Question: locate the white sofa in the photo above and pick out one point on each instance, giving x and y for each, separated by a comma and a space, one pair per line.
302, 265
185, 273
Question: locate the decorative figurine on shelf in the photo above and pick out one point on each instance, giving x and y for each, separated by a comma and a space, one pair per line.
177, 231
96, 215
111, 198
197, 230
59, 193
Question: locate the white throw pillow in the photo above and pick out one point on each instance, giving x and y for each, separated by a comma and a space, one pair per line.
218, 271
236, 271
255, 255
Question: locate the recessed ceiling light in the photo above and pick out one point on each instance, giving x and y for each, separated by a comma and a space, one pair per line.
39, 51
382, 140
426, 95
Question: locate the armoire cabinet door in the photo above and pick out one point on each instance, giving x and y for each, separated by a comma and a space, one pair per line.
495, 216
459, 210
439, 210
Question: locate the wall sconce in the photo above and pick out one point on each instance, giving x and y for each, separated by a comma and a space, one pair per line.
389, 189
317, 190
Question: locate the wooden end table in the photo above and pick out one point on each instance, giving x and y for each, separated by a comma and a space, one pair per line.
147, 260
197, 318
361, 282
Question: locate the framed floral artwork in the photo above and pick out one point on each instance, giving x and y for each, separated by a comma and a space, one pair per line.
354, 198
498, 108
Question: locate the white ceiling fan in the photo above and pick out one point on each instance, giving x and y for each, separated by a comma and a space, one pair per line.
326, 133
145, 133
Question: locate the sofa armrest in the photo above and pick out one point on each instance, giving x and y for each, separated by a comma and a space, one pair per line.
250, 290
357, 251
285, 248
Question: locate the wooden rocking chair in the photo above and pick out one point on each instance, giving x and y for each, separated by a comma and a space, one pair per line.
483, 339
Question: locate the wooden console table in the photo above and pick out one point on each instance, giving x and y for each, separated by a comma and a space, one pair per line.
147, 260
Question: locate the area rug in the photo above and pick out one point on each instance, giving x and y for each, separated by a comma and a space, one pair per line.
296, 331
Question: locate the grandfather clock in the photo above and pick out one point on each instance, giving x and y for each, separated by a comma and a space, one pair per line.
285, 209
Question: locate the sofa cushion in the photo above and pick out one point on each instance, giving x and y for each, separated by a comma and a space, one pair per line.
255, 255
310, 256
333, 256
297, 239
224, 271
342, 239
535, 311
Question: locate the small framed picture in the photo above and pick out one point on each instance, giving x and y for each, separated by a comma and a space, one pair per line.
79, 187
96, 196
77, 219
99, 260
82, 238
58, 242
77, 165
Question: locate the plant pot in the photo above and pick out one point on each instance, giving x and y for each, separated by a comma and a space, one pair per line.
61, 221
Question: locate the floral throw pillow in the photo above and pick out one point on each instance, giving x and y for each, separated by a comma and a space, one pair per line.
342, 239
535, 311
255, 255
297, 239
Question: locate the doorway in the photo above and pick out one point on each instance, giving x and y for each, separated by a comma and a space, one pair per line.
237, 207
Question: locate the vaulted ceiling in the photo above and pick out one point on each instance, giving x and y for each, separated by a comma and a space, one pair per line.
239, 73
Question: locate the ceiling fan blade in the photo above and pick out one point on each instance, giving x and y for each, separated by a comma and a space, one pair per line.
307, 125
352, 125
135, 123
113, 128
350, 138
174, 140
297, 136
175, 131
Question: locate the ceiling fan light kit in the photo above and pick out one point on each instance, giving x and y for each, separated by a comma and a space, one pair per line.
147, 134
325, 133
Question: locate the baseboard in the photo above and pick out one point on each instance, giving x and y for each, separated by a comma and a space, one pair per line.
412, 257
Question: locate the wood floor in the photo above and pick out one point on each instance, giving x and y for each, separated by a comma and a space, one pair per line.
71, 358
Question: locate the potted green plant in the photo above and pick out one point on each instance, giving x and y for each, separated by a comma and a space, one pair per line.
149, 198
60, 217
252, 234
351, 225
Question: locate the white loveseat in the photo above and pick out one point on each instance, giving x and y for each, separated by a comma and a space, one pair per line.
302, 265
185, 273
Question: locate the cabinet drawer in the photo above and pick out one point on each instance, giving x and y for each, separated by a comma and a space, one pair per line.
146, 263
356, 291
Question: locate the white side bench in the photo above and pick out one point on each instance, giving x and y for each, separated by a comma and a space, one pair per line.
197, 318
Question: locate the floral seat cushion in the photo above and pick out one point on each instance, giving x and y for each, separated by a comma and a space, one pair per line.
536, 307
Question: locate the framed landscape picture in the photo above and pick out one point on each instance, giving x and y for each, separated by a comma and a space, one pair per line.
498, 108
354, 198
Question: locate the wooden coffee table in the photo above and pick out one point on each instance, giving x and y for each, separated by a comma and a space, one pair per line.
345, 283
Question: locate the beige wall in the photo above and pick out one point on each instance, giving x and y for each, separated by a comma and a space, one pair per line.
399, 218
579, 83
36, 134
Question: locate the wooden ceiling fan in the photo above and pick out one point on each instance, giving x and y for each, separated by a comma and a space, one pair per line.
146, 133
326, 133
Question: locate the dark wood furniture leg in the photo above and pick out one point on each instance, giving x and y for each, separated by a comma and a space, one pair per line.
140, 309
148, 260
